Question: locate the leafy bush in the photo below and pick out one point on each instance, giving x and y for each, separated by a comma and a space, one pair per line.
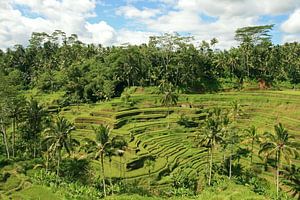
75, 170
78, 191
186, 121
4, 161
257, 184
134, 187
126, 98
74, 190
183, 184
152, 90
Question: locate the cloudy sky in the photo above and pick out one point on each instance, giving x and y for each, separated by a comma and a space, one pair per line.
113, 22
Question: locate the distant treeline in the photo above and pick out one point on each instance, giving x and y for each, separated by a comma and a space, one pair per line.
90, 72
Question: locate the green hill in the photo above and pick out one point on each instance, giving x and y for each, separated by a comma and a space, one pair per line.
170, 139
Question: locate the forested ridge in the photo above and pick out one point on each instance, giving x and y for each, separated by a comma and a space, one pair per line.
90, 72
183, 119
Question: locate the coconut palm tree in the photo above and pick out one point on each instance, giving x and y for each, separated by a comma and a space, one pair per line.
34, 114
110, 153
7, 93
119, 145
253, 136
15, 109
105, 145
58, 138
4, 133
102, 143
279, 145
233, 140
121, 154
117, 148
169, 98
212, 134
291, 176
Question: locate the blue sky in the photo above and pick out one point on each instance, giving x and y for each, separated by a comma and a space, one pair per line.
113, 22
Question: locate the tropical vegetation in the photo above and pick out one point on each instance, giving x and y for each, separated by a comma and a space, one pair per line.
166, 119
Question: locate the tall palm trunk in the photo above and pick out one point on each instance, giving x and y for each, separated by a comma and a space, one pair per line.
224, 161
277, 173
103, 175
230, 163
120, 165
47, 157
111, 184
128, 82
252, 144
58, 163
35, 145
248, 67
13, 136
34, 149
210, 166
124, 169
149, 180
4, 135
168, 117
47, 161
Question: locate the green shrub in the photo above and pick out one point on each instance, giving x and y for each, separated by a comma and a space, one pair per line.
257, 184
73, 190
4, 161
183, 184
133, 187
74, 170
152, 90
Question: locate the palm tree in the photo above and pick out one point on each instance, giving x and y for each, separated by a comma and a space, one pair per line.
14, 112
104, 146
59, 138
253, 136
7, 93
169, 98
121, 153
110, 152
4, 134
34, 113
232, 61
117, 147
102, 143
232, 140
291, 176
212, 134
279, 145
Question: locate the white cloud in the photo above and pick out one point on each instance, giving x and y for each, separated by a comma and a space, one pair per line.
133, 12
133, 37
292, 24
186, 17
100, 33
66, 15
168, 16
56, 9
179, 21
228, 15
291, 38
229, 8
13, 30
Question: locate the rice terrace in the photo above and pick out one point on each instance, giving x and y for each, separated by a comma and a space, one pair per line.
152, 109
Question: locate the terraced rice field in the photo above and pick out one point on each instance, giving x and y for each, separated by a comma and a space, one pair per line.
150, 131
